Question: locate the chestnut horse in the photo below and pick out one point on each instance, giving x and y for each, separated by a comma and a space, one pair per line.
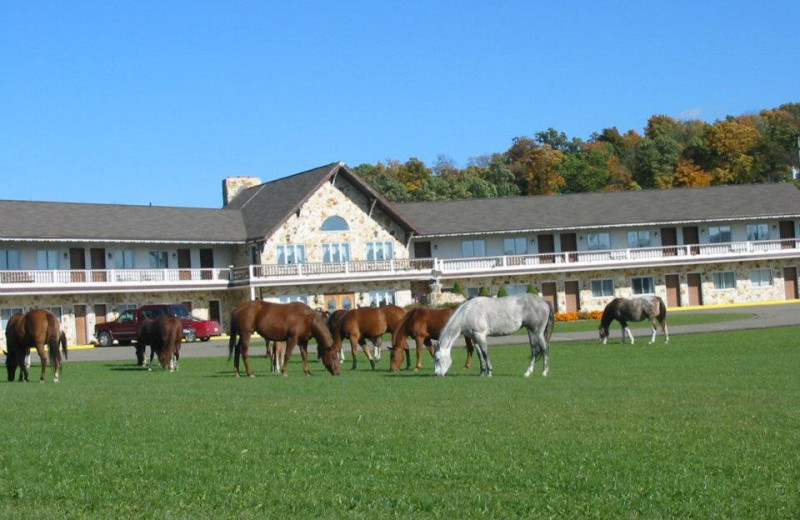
164, 335
295, 323
424, 325
334, 319
371, 323
37, 328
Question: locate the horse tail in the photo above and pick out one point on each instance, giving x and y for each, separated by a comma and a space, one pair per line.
662, 310
63, 340
53, 338
551, 322
234, 333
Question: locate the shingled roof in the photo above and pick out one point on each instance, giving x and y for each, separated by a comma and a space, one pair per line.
24, 220
594, 210
266, 206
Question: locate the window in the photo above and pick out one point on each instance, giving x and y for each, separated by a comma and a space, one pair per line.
335, 224
513, 289
47, 259
291, 254
761, 277
123, 259
473, 248
5, 315
291, 298
126, 316
758, 232
643, 285
57, 311
602, 288
639, 238
515, 246
9, 259
717, 234
724, 280
380, 298
336, 252
380, 250
473, 292
158, 260
126, 307
597, 241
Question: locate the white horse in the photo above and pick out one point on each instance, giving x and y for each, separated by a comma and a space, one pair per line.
481, 317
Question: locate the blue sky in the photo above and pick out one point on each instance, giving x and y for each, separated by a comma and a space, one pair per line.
156, 102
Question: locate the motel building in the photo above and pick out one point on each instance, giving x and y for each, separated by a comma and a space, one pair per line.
326, 238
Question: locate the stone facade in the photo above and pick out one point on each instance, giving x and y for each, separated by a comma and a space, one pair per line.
231, 186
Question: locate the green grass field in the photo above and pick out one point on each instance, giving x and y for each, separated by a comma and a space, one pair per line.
705, 427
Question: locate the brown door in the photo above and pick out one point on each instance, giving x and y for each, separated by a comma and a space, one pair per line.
80, 325
693, 282
77, 261
98, 256
206, 262
547, 244
100, 313
335, 302
669, 237
690, 237
787, 232
572, 296
673, 283
550, 294
422, 250
214, 311
184, 262
569, 242
790, 282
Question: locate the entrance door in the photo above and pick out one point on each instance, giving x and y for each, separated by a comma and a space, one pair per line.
215, 311
669, 237
100, 313
787, 232
690, 237
673, 283
693, 282
422, 250
80, 325
569, 242
547, 244
550, 294
98, 257
572, 296
335, 302
184, 262
207, 262
790, 282
77, 261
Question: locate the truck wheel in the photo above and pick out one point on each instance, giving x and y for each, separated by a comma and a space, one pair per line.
104, 338
206, 338
190, 336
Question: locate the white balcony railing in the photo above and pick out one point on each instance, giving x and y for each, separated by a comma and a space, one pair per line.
396, 269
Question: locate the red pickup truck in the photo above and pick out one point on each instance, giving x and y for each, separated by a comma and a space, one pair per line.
123, 330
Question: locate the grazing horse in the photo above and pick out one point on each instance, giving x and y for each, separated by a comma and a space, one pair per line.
636, 309
164, 335
37, 328
424, 325
481, 317
371, 323
295, 323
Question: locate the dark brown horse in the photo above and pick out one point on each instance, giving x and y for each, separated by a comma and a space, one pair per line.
295, 323
37, 328
424, 325
164, 335
371, 323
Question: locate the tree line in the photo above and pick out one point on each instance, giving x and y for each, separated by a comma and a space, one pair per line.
671, 153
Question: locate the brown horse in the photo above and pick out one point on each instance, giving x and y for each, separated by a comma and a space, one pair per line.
37, 328
295, 323
371, 323
424, 325
164, 335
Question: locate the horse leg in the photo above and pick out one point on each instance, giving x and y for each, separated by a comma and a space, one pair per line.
362, 341
43, 356
354, 351
470, 351
420, 343
288, 354
245, 338
376, 348
538, 347
655, 330
666, 333
24, 365
304, 354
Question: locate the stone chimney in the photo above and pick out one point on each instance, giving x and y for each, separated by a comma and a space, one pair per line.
231, 186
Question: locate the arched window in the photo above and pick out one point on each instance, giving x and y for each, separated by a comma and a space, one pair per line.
335, 223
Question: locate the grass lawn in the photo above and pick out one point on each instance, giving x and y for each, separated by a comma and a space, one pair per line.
705, 427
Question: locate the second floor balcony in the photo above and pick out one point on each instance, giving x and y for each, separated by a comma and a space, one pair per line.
116, 280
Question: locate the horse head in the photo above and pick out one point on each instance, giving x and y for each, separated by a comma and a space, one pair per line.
441, 362
327, 353
603, 334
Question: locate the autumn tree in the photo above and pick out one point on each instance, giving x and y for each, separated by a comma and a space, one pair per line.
730, 143
535, 166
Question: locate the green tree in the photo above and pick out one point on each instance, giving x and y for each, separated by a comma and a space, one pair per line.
458, 289
587, 169
502, 291
532, 289
656, 160
485, 291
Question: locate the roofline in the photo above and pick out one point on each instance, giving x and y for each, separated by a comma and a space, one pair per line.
121, 240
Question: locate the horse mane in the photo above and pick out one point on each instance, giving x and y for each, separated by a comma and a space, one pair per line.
609, 312
399, 334
452, 329
320, 331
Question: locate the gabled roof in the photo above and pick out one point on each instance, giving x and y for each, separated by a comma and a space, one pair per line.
266, 207
595, 210
25, 220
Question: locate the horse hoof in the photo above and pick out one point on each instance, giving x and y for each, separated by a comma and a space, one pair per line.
252, 376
